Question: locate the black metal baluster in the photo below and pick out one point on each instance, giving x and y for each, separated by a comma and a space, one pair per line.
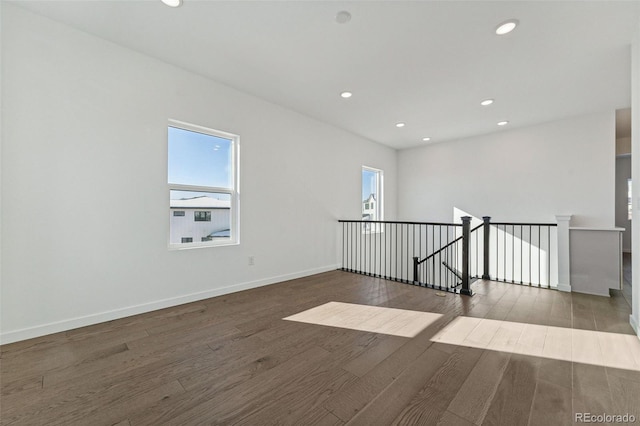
372, 259
381, 224
521, 254
380, 241
497, 254
513, 254
440, 258
539, 265
420, 241
549, 256
477, 251
446, 256
466, 284
530, 254
385, 249
397, 236
401, 251
505, 253
375, 248
413, 231
367, 251
352, 247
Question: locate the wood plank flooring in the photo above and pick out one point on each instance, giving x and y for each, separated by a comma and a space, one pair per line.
234, 360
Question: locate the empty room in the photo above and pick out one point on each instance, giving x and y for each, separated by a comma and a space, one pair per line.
319, 212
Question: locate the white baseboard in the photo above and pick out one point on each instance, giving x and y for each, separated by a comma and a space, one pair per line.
71, 323
564, 287
635, 325
593, 293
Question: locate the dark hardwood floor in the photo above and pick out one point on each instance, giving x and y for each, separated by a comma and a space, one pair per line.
234, 360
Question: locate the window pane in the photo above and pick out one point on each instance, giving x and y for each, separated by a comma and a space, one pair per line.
207, 216
198, 159
370, 194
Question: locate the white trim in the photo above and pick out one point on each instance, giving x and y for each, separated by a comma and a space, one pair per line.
593, 293
380, 190
233, 191
635, 324
564, 287
201, 129
576, 228
70, 324
564, 252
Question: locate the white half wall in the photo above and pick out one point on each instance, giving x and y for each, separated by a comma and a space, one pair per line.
85, 216
635, 177
520, 175
623, 173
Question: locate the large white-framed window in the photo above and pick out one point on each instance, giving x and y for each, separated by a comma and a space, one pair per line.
203, 186
372, 196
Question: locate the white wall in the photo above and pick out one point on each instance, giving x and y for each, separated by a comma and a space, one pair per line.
623, 172
635, 176
527, 174
84, 182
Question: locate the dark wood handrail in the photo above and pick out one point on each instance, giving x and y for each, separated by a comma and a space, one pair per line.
399, 222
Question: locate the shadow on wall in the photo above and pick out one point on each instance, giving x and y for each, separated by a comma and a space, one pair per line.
523, 253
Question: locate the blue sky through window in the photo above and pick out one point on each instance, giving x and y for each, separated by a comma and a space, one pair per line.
369, 183
199, 159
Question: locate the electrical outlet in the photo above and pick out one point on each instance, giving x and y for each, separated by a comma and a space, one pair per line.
252, 260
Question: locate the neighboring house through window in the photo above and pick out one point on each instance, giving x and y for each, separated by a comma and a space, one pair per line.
372, 195
202, 216
203, 186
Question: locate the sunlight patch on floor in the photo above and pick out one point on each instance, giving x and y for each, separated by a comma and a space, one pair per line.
584, 346
374, 319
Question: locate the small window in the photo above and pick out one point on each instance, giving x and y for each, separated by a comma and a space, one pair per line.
186, 240
202, 177
372, 194
202, 216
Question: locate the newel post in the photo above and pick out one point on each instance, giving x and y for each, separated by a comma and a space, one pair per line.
564, 255
486, 227
416, 261
466, 284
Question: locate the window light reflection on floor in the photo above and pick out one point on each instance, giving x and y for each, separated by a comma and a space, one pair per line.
614, 350
375, 319
584, 346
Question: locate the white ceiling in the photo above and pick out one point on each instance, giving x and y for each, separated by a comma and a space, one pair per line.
426, 63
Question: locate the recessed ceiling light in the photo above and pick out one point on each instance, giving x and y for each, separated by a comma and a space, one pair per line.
503, 123
172, 3
486, 102
399, 125
343, 17
507, 26
426, 139
346, 94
